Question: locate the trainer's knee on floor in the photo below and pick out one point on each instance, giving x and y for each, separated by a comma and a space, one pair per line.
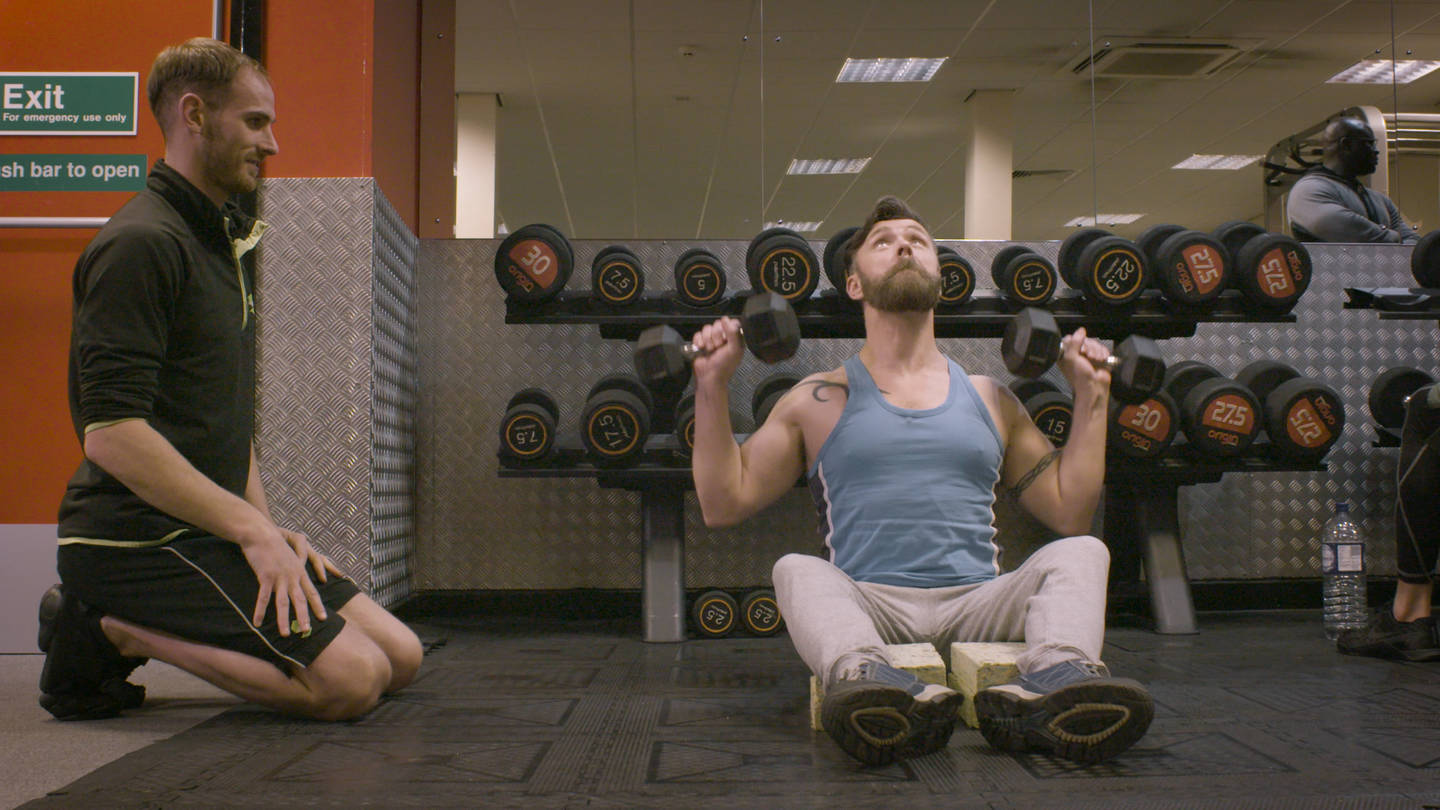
349, 697
405, 656
347, 679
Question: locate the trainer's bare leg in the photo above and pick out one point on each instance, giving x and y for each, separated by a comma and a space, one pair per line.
398, 642
345, 681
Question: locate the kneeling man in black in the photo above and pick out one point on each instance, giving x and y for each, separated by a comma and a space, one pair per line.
167, 546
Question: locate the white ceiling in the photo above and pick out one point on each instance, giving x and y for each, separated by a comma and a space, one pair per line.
608, 130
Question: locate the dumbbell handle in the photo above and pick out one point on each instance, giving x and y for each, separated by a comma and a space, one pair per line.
1110, 363
690, 351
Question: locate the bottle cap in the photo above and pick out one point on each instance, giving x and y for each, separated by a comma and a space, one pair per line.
1342, 506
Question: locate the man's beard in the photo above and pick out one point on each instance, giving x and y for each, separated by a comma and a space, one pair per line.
906, 288
221, 165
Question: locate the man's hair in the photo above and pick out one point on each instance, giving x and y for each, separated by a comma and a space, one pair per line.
886, 208
202, 66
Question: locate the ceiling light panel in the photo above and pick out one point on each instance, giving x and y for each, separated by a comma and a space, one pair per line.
1217, 162
915, 69
1377, 71
828, 166
1104, 219
801, 227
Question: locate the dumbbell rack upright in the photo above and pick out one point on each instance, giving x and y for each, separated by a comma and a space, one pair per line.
1141, 512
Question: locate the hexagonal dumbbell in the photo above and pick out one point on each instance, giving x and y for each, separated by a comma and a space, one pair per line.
1032, 344
1303, 417
767, 322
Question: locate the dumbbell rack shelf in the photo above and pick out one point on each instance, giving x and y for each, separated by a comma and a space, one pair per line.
827, 316
1396, 303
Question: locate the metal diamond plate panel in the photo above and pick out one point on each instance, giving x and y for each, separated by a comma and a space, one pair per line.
335, 367
484, 532
393, 404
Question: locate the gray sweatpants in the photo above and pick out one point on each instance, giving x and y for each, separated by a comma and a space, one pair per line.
1055, 602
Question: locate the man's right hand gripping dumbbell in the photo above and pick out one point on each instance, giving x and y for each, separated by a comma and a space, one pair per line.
767, 323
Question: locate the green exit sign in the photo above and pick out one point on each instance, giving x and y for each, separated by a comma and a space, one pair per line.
68, 103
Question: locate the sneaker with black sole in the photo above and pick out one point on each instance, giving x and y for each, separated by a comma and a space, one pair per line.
84, 677
1385, 636
1073, 710
878, 714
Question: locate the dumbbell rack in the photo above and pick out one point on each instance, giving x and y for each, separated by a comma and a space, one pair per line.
826, 316
1141, 498
662, 489
1142, 514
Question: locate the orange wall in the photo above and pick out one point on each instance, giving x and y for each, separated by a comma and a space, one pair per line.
333, 66
40, 449
397, 103
320, 66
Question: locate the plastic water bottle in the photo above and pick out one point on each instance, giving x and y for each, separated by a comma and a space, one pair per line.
1342, 565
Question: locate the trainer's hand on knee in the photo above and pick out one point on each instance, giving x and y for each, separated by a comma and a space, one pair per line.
279, 566
319, 563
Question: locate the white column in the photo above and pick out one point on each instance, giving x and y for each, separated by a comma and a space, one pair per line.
475, 123
989, 160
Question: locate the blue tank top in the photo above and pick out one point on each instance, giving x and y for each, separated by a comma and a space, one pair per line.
905, 497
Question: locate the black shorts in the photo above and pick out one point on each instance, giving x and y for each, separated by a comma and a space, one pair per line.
200, 589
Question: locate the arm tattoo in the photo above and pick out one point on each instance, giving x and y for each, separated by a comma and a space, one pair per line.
824, 386
1029, 477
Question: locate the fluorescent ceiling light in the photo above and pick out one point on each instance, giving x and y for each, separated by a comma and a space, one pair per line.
1217, 162
802, 227
1105, 219
889, 70
828, 166
1377, 71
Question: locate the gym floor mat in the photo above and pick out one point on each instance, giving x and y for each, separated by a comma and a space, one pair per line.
1256, 711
